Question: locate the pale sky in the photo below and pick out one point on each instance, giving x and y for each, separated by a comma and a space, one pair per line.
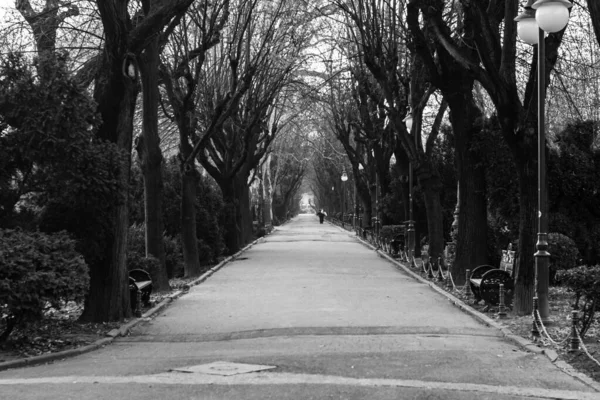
5, 4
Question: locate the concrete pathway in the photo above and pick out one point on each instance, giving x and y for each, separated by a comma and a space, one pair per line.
334, 320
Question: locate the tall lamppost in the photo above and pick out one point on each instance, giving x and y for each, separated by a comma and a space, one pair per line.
359, 208
344, 179
332, 211
410, 230
537, 18
377, 219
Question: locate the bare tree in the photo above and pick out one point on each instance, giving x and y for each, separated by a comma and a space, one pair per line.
261, 49
495, 68
379, 35
457, 86
115, 91
183, 73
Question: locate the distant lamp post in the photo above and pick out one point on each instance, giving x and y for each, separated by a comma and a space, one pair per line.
344, 179
332, 201
357, 206
537, 18
408, 120
410, 230
377, 219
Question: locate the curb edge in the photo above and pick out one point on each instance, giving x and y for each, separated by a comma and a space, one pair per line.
124, 329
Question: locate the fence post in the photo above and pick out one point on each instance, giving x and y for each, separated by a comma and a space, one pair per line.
430, 270
138, 305
440, 275
535, 333
574, 342
448, 279
468, 285
501, 308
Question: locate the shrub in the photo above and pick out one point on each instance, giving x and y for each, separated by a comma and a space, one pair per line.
136, 245
37, 269
563, 254
390, 231
136, 253
173, 256
209, 214
149, 264
206, 253
584, 282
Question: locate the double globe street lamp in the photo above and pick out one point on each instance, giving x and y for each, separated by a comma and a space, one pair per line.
410, 230
344, 179
539, 17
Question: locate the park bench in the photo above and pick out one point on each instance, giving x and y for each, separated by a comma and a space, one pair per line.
485, 280
140, 287
366, 232
397, 244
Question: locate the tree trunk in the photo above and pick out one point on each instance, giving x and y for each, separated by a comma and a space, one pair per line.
151, 162
115, 92
525, 266
471, 247
189, 241
260, 206
594, 9
431, 186
374, 203
232, 236
245, 214
108, 298
267, 193
364, 197
189, 184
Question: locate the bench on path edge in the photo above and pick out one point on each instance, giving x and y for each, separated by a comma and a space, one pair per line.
485, 280
140, 287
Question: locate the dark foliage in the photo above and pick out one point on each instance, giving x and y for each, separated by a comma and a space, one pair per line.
136, 253
54, 173
563, 254
443, 158
574, 188
209, 215
38, 270
584, 282
502, 188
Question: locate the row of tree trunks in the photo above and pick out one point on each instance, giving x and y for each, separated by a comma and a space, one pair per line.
245, 215
115, 92
238, 225
267, 193
496, 73
471, 246
151, 159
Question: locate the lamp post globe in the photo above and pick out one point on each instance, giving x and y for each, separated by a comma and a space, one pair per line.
528, 29
408, 120
410, 226
344, 179
527, 26
552, 15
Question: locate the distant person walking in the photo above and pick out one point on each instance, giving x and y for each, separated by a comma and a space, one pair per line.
322, 214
